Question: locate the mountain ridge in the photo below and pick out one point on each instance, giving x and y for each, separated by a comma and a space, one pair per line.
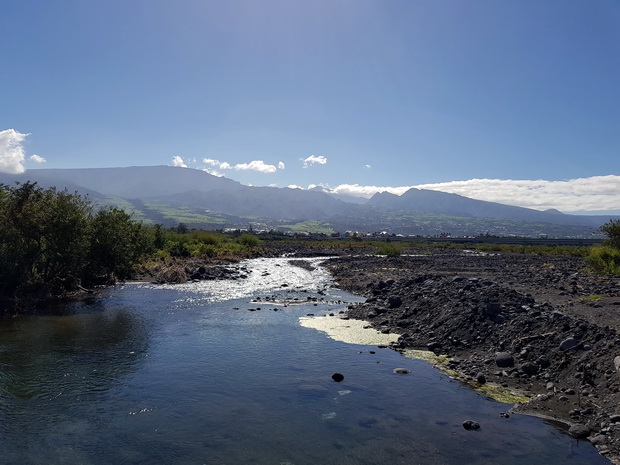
156, 192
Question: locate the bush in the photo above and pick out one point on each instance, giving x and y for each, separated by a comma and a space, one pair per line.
604, 259
389, 250
612, 231
50, 240
117, 244
249, 240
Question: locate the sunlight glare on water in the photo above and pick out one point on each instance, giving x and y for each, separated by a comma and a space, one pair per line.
262, 276
223, 372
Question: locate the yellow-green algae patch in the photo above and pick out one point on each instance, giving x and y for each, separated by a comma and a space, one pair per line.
358, 332
349, 331
495, 392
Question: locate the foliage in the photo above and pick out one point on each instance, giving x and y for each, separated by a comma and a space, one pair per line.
207, 245
312, 227
604, 259
612, 231
389, 249
50, 240
249, 240
117, 244
43, 236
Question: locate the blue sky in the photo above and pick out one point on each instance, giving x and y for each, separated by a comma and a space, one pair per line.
506, 100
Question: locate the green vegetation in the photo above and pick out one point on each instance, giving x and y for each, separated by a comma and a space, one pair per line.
389, 249
50, 241
205, 244
606, 257
184, 215
311, 227
53, 241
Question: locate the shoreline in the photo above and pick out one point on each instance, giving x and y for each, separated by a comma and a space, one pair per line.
537, 325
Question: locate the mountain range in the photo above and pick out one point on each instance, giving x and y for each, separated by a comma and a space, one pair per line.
169, 195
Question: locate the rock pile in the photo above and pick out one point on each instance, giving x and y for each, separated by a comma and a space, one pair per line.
540, 326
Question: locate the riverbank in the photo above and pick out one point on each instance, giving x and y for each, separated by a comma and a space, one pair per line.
540, 326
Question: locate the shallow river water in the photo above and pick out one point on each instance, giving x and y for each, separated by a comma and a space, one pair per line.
224, 373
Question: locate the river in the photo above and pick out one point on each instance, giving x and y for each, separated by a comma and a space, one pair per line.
222, 372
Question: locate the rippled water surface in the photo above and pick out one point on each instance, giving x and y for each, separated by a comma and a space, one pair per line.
223, 373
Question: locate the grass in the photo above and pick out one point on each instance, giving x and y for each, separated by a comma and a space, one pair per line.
312, 227
604, 259
389, 249
185, 215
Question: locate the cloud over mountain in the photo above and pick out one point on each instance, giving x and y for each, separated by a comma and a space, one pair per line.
37, 159
255, 165
178, 161
596, 193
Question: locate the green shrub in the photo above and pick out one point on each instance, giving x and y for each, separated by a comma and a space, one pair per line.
389, 250
612, 231
604, 259
50, 240
249, 240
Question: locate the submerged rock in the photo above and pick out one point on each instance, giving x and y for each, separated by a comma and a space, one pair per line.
471, 425
401, 371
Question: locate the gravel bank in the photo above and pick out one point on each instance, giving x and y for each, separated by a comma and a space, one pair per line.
539, 325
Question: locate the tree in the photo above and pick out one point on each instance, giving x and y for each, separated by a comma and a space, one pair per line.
51, 239
612, 231
117, 244
43, 235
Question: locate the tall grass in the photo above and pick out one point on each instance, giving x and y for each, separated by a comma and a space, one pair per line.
604, 259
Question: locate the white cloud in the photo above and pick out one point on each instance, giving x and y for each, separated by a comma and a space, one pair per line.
213, 172
294, 186
356, 190
218, 164
314, 160
12, 151
367, 167
596, 193
37, 159
256, 165
178, 161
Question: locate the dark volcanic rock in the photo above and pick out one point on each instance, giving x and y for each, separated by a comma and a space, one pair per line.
504, 360
471, 424
579, 431
521, 321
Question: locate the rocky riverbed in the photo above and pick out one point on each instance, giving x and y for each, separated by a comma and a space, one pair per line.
541, 326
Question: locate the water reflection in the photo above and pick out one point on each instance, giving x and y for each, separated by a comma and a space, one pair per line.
81, 351
183, 375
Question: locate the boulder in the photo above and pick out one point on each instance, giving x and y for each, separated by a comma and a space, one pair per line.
579, 431
529, 368
504, 360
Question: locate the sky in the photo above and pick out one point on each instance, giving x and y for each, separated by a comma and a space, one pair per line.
512, 101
